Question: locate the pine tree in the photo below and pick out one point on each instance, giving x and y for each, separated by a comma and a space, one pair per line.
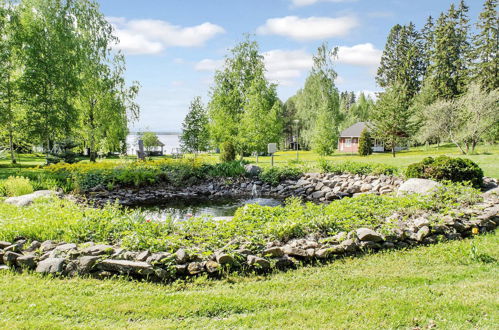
402, 62
195, 135
365, 143
486, 47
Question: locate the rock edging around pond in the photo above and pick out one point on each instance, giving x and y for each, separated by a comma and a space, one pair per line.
317, 187
102, 261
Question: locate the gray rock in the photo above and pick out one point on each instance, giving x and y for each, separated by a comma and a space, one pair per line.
252, 170
34, 246
273, 252
195, 268
418, 186
26, 262
4, 268
181, 256
51, 266
225, 259
323, 253
181, 269
98, 250
10, 257
348, 245
142, 256
212, 266
294, 251
28, 199
366, 187
4, 244
126, 267
318, 194
86, 263
366, 234
159, 257
48, 246
258, 262
422, 233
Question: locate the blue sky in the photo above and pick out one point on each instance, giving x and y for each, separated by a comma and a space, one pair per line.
173, 46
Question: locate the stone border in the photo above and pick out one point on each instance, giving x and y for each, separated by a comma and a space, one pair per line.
102, 261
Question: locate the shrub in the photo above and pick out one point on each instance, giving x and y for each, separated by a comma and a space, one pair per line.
365, 143
275, 175
445, 168
16, 186
228, 152
229, 169
356, 168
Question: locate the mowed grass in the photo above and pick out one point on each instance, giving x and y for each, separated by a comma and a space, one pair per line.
438, 286
486, 156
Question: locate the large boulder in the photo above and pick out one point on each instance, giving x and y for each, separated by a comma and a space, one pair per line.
28, 199
252, 170
51, 266
418, 186
366, 234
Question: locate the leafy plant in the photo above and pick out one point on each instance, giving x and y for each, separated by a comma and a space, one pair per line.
228, 152
275, 175
16, 186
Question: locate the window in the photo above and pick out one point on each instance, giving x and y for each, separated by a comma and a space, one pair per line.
348, 142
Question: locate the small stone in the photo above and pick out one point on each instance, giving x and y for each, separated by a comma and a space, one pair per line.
212, 266
273, 252
99, 249
34, 246
157, 258
294, 252
142, 256
126, 267
26, 262
4, 244
323, 253
366, 187
14, 248
195, 268
349, 245
181, 269
10, 257
258, 262
366, 234
51, 266
86, 263
224, 258
422, 233
181, 256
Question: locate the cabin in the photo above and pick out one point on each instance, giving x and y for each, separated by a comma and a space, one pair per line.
349, 139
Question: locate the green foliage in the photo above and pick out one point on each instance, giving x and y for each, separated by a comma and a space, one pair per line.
150, 140
229, 169
15, 186
64, 220
275, 175
445, 168
228, 152
195, 135
356, 168
365, 143
486, 46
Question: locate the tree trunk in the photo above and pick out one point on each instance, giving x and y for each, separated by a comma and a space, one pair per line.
11, 146
92, 153
393, 147
473, 145
9, 105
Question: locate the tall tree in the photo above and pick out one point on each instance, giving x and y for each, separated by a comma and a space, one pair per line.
9, 72
261, 122
391, 118
448, 71
195, 135
402, 62
318, 103
229, 94
104, 107
49, 78
486, 47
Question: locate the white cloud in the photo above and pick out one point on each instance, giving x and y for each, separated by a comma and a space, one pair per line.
302, 3
148, 36
311, 28
360, 55
208, 65
285, 65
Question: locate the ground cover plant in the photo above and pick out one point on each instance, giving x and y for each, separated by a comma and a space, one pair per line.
64, 220
438, 286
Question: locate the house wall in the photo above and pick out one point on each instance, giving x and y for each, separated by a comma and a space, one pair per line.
345, 145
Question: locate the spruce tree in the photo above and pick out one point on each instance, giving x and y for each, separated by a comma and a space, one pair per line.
194, 135
365, 143
486, 47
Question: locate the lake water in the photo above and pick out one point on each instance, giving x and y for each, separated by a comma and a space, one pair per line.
171, 142
184, 209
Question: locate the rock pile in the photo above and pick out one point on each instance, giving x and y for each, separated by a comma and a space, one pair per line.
102, 261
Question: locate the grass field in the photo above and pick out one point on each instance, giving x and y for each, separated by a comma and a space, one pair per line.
439, 286
487, 157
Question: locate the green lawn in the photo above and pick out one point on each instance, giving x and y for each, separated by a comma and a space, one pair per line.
487, 157
438, 285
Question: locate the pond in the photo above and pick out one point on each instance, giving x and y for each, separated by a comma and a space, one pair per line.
183, 209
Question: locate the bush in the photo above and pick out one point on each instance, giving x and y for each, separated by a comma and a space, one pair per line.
445, 168
275, 175
230, 169
356, 168
16, 186
228, 152
365, 143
